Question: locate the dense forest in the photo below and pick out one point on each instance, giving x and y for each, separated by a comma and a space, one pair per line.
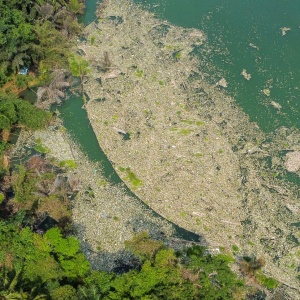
42, 263
35, 37
36, 34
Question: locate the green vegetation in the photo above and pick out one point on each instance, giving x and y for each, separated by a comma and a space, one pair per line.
268, 282
103, 182
38, 265
71, 164
198, 154
36, 35
48, 264
185, 131
76, 6
177, 54
136, 182
139, 73
183, 214
17, 112
39, 191
79, 66
164, 274
92, 40
35, 31
41, 149
51, 266
216, 278
235, 248
2, 197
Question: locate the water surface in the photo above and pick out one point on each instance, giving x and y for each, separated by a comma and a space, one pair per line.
246, 34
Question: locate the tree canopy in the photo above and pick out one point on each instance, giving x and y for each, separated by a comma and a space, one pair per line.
30, 262
35, 31
52, 267
15, 111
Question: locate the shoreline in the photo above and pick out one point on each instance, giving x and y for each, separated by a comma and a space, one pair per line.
103, 214
192, 155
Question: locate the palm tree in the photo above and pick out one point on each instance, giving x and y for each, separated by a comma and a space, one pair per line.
53, 89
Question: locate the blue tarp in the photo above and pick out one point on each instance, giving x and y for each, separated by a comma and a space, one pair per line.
23, 71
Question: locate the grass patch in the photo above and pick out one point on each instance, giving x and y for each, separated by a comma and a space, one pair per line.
170, 47
103, 182
190, 122
235, 248
92, 40
71, 164
41, 149
135, 181
185, 131
268, 282
139, 73
177, 54
198, 154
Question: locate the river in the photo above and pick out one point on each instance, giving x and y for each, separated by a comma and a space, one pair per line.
260, 36
241, 35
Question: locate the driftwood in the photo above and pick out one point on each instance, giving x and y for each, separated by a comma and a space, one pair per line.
119, 130
112, 74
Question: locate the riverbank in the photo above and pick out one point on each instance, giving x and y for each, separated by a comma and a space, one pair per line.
181, 144
103, 215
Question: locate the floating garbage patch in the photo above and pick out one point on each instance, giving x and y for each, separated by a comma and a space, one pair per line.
198, 159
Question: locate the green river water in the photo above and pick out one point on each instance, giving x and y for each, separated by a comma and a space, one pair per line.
231, 26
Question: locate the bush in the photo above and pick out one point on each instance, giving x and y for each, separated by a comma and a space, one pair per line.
65, 292
14, 111
22, 80
268, 282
